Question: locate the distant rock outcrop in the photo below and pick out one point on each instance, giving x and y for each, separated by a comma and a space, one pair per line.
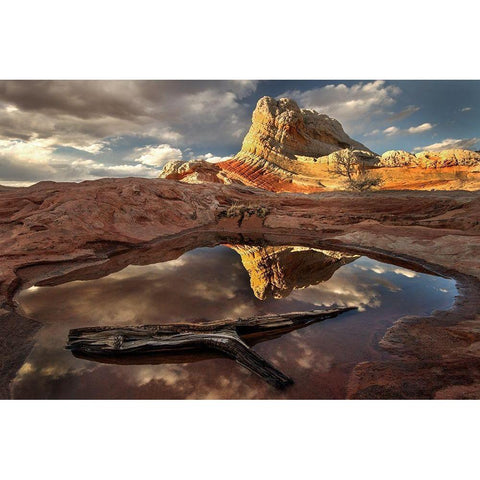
195, 171
276, 271
398, 158
448, 158
428, 159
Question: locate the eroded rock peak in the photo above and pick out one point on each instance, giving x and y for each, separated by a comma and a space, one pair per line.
281, 129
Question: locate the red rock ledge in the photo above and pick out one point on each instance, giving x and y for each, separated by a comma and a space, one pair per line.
52, 230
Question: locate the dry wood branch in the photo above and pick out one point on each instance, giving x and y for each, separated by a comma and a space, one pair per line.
223, 336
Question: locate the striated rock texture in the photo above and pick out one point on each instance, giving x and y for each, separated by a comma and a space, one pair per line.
276, 271
195, 171
281, 149
268, 176
282, 152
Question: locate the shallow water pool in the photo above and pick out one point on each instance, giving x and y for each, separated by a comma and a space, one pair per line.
227, 281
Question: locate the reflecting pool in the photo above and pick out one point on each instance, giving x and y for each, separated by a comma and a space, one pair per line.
227, 281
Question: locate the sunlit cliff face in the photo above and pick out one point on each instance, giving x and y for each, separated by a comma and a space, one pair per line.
212, 283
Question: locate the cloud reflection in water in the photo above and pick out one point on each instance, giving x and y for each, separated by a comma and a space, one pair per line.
210, 283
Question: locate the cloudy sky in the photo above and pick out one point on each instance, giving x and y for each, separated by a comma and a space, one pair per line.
77, 130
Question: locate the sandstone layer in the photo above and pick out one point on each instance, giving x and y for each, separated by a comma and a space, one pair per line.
52, 232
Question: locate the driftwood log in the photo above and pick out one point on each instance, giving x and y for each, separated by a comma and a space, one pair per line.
226, 337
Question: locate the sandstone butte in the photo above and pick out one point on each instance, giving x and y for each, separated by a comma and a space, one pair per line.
289, 149
54, 232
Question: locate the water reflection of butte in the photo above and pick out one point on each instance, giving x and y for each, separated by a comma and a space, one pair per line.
276, 271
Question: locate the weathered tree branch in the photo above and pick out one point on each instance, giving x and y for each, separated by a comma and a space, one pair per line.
223, 336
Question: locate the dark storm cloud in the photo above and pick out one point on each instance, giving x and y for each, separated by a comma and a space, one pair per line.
66, 129
101, 108
82, 99
122, 99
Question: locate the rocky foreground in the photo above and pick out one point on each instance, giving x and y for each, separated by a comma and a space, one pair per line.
53, 232
289, 149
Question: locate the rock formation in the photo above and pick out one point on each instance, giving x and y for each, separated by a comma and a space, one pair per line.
398, 158
289, 149
449, 158
281, 152
442, 159
453, 169
195, 171
281, 132
276, 271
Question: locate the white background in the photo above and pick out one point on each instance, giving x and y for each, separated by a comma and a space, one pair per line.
239, 40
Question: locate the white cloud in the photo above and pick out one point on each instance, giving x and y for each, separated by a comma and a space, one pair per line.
158, 156
465, 109
92, 169
10, 108
391, 130
35, 151
397, 131
405, 272
14, 183
420, 128
348, 104
93, 148
464, 143
209, 157
25, 162
22, 161
100, 118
